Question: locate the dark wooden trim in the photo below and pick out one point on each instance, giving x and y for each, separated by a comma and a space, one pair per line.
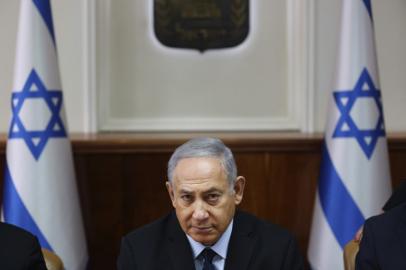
166, 142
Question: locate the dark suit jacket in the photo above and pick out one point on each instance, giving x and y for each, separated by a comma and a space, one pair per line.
19, 249
383, 244
254, 245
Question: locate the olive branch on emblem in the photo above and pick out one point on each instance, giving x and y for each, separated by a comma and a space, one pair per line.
238, 12
162, 15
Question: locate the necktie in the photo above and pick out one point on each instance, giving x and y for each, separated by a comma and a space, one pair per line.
207, 255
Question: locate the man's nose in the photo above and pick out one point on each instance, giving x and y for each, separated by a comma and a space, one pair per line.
200, 211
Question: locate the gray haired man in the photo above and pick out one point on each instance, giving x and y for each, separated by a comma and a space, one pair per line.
205, 231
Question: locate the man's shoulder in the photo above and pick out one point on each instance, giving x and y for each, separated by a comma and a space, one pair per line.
151, 231
15, 242
264, 228
389, 218
263, 238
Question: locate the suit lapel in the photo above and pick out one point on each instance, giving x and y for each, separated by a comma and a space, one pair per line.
179, 248
241, 244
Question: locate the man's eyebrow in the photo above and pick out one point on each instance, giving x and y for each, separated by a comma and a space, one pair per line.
184, 191
211, 190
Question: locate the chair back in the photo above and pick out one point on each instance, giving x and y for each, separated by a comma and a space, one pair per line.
350, 252
52, 260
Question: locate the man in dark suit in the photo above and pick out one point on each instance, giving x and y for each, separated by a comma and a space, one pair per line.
383, 243
19, 249
205, 232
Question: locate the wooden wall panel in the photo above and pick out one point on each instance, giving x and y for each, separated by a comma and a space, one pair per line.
121, 181
254, 168
145, 196
103, 206
293, 189
398, 166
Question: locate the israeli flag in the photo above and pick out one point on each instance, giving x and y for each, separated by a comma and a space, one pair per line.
40, 193
354, 178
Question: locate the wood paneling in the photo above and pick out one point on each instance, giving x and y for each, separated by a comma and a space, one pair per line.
121, 181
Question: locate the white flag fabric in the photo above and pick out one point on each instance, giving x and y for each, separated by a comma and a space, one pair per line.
354, 180
40, 193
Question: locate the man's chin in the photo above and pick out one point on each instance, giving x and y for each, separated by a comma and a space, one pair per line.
207, 238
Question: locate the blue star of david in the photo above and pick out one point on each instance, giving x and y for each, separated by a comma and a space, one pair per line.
36, 140
346, 127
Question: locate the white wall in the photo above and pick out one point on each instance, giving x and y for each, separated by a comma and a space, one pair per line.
8, 29
149, 86
390, 33
71, 19
69, 31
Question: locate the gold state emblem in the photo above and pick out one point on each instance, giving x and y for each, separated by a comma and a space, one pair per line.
201, 24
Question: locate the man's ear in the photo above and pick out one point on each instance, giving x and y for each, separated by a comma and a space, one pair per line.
170, 192
239, 189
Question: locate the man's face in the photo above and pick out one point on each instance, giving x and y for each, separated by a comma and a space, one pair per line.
202, 198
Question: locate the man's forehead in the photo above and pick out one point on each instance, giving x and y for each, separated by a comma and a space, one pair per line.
198, 166
199, 173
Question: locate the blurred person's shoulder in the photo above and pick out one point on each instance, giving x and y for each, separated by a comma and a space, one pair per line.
394, 213
388, 220
13, 233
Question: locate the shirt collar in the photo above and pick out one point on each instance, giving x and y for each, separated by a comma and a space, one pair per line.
220, 247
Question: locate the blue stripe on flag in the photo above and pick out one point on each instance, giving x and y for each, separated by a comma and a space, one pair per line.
369, 7
16, 213
341, 211
44, 8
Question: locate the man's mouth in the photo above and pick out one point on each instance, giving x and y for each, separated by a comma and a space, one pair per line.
202, 229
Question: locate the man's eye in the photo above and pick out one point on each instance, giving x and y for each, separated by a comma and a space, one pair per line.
213, 197
186, 197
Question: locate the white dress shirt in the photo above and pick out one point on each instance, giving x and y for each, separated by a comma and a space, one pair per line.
220, 247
